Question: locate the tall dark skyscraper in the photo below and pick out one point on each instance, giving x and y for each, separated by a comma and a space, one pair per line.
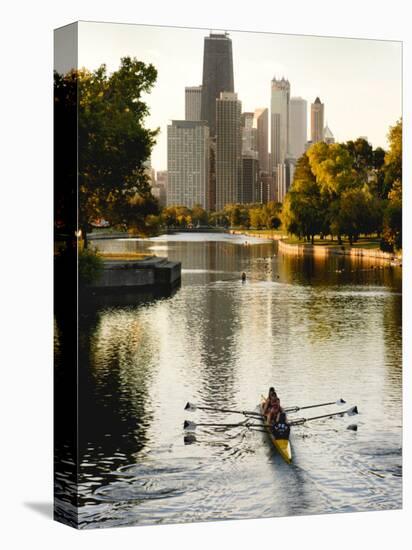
217, 75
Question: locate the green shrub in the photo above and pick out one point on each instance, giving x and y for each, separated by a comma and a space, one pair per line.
90, 266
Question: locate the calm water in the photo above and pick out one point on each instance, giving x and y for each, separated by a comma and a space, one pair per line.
317, 330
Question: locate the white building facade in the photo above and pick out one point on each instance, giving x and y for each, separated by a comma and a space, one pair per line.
228, 149
279, 120
187, 163
298, 126
193, 102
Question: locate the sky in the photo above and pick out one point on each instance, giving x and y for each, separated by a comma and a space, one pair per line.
358, 80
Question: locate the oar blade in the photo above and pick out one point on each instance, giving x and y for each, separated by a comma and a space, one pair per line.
188, 425
340, 402
352, 411
190, 407
352, 427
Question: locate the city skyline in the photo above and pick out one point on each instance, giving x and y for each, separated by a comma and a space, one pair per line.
359, 81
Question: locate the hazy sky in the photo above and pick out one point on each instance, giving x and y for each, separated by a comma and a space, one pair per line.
359, 81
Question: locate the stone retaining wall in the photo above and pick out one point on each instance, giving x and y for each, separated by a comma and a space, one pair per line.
325, 251
154, 271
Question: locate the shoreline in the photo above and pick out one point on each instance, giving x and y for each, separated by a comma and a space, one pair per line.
324, 251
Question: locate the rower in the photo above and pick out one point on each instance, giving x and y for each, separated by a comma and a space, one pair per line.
267, 400
274, 409
243, 276
281, 428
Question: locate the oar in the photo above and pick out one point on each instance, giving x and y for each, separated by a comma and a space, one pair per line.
192, 407
350, 412
189, 425
296, 408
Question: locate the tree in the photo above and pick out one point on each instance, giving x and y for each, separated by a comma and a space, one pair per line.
233, 213
362, 155
354, 214
256, 217
113, 143
304, 213
271, 215
392, 218
393, 158
199, 215
333, 167
168, 216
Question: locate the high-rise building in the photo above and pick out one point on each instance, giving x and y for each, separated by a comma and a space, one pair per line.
317, 114
328, 137
187, 163
285, 174
228, 149
250, 177
279, 123
161, 178
298, 126
217, 75
193, 102
159, 189
149, 170
248, 133
261, 125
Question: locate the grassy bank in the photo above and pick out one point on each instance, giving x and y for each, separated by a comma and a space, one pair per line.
362, 242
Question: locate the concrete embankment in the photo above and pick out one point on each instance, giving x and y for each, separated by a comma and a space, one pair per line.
259, 235
131, 274
324, 251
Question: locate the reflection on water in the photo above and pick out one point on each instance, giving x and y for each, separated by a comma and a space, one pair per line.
316, 329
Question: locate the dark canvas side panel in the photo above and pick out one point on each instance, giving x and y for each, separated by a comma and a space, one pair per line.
65, 277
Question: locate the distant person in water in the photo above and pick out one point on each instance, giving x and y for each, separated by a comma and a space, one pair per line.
243, 276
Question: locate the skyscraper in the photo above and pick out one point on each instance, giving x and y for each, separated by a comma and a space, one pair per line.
317, 114
193, 102
248, 133
285, 174
228, 149
298, 127
187, 163
328, 137
249, 188
217, 75
279, 123
261, 124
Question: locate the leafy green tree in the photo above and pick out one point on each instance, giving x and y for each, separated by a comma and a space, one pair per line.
333, 167
168, 216
90, 267
271, 214
393, 158
304, 211
354, 214
113, 142
392, 218
362, 155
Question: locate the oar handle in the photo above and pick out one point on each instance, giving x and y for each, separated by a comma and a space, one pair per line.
249, 413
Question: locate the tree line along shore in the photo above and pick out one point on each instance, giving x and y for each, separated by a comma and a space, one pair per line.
341, 192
